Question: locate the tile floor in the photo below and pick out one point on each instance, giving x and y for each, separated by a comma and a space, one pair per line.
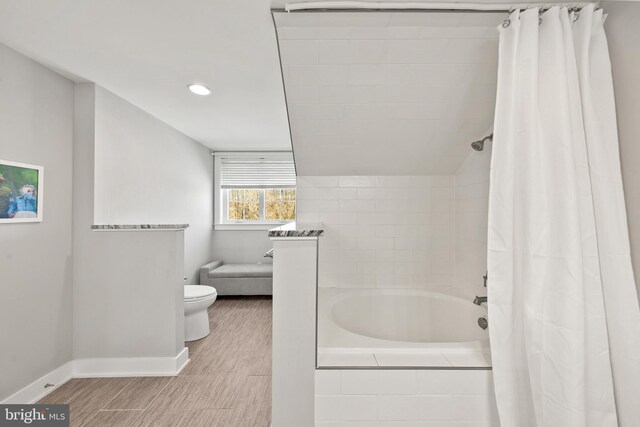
227, 383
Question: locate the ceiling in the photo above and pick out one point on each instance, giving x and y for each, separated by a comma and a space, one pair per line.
373, 93
147, 51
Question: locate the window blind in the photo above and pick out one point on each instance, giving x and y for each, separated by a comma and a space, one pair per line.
261, 172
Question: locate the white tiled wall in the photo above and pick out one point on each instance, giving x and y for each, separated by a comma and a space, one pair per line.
357, 81
471, 211
405, 398
382, 231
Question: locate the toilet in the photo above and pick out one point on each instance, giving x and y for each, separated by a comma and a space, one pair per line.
196, 320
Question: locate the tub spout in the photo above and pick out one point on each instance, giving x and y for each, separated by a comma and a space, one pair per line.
479, 300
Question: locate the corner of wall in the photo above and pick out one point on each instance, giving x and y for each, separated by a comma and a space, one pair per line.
36, 307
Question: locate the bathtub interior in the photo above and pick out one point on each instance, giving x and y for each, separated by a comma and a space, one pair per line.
401, 328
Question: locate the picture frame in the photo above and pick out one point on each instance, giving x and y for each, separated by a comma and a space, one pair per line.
21, 192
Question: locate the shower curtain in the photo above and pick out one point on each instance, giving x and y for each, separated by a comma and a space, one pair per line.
564, 321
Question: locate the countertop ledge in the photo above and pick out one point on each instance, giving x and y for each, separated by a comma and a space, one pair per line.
294, 229
138, 227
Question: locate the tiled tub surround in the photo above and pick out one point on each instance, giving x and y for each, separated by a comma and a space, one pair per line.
399, 328
385, 237
404, 398
295, 272
394, 234
471, 219
384, 231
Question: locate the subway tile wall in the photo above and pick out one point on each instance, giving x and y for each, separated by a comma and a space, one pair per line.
409, 398
426, 232
382, 231
471, 219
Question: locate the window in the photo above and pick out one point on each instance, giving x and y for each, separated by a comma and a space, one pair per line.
244, 205
280, 204
254, 190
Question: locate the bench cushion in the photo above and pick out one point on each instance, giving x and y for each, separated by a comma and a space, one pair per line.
242, 270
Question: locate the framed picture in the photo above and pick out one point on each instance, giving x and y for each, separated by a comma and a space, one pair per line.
21, 189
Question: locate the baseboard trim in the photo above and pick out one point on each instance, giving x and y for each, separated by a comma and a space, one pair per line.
130, 366
36, 390
182, 360
91, 368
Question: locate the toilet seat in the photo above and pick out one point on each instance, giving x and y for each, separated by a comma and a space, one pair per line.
198, 292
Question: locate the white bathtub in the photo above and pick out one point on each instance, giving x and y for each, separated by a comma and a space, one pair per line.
405, 327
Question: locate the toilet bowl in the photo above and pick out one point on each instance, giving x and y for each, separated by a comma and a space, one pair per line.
196, 320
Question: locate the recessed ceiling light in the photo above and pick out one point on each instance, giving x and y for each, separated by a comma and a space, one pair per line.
199, 89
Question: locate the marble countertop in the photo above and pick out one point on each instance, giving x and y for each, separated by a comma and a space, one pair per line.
138, 227
294, 229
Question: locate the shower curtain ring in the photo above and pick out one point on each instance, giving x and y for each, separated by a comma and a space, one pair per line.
506, 23
576, 16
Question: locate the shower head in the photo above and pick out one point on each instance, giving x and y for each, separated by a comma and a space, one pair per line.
479, 145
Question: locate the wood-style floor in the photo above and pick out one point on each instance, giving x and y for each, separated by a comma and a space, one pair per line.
227, 383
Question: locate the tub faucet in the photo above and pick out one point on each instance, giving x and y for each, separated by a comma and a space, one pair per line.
479, 300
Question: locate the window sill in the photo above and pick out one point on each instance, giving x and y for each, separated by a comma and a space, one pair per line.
247, 227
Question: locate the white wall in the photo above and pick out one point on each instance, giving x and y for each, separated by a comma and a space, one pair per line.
128, 294
148, 173
471, 219
240, 246
128, 299
385, 231
623, 35
36, 127
295, 271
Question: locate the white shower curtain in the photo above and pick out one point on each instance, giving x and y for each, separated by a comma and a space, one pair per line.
564, 321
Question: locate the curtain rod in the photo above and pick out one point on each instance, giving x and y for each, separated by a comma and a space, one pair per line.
248, 153
423, 6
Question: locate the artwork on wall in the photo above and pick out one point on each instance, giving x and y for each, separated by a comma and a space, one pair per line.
21, 189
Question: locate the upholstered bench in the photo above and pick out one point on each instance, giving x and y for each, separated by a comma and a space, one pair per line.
238, 279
